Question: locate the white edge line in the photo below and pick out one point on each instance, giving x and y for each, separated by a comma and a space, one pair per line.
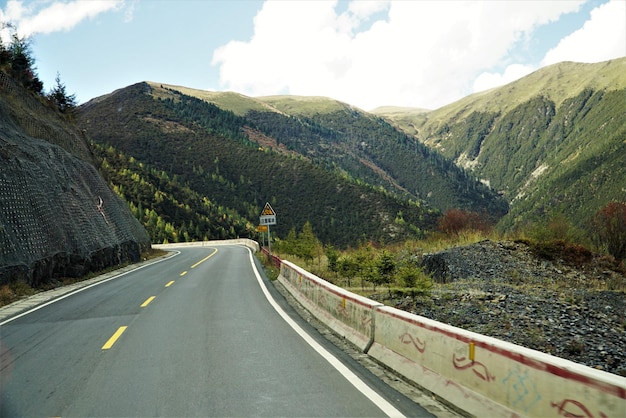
50, 302
361, 386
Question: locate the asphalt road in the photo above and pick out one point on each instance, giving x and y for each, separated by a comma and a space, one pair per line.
199, 334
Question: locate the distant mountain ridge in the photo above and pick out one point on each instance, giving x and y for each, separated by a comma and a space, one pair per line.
552, 142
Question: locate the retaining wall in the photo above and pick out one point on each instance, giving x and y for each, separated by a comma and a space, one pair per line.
478, 374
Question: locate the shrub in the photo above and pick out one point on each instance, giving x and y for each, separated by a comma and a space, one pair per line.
609, 229
414, 278
456, 220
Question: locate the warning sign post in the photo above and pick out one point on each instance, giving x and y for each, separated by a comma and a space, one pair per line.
267, 218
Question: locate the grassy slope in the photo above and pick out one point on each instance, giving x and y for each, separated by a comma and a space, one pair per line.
234, 102
556, 82
307, 106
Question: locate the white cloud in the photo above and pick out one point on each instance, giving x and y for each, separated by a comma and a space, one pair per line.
603, 37
420, 53
55, 16
513, 72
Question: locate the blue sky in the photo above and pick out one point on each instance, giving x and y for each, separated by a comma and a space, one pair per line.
367, 53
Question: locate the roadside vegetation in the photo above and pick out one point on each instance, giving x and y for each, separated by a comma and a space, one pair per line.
374, 268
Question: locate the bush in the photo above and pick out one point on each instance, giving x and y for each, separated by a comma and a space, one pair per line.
414, 278
456, 220
609, 229
554, 228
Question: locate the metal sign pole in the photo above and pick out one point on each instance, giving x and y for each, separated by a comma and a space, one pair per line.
269, 240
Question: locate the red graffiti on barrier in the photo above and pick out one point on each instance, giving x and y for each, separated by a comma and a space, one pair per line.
366, 321
571, 408
459, 387
477, 367
407, 338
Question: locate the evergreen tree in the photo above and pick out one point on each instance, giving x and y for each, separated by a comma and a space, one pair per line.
23, 64
333, 256
58, 95
307, 243
384, 269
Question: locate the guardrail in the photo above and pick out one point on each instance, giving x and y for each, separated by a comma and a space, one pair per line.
481, 375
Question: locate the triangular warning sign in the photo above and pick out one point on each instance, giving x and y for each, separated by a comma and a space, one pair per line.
268, 211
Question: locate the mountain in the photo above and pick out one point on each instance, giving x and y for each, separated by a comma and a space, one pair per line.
58, 217
358, 144
553, 142
351, 174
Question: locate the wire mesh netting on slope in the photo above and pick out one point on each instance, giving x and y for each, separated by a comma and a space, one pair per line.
58, 217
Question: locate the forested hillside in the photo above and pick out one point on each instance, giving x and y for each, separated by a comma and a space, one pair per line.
208, 151
170, 211
359, 145
554, 142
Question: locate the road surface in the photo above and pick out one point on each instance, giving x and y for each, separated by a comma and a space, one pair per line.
201, 333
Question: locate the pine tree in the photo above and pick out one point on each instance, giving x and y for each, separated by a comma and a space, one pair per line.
23, 64
59, 97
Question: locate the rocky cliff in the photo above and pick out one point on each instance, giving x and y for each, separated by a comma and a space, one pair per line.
58, 217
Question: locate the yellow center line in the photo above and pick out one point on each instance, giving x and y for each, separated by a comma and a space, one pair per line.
204, 259
169, 284
183, 273
114, 338
150, 299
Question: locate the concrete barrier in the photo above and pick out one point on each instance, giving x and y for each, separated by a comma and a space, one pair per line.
489, 377
349, 315
481, 375
237, 241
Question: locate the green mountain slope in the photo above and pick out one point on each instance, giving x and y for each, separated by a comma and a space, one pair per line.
359, 145
208, 150
551, 142
169, 210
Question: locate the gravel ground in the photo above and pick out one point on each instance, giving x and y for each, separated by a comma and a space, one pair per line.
568, 303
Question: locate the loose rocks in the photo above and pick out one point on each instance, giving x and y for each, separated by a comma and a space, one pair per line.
505, 290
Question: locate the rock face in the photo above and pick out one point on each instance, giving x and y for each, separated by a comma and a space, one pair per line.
58, 216
571, 304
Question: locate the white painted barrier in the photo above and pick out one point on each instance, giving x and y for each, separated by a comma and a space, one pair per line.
349, 315
483, 376
237, 241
